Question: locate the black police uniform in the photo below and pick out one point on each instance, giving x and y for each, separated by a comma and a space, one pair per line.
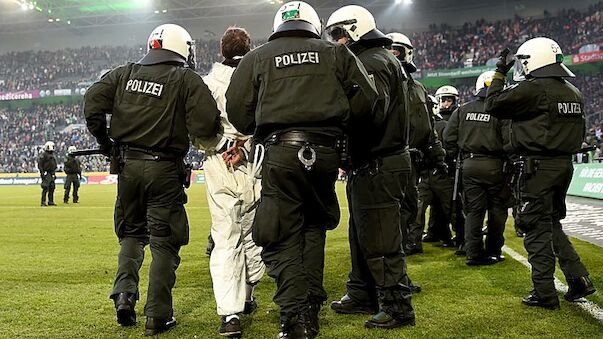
154, 107
427, 154
381, 167
47, 165
547, 129
292, 94
73, 170
477, 136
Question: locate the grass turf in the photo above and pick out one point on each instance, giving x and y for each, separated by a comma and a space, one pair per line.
58, 263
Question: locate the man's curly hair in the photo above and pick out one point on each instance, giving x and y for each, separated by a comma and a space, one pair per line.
235, 42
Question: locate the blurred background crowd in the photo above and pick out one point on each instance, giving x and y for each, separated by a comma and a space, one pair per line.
23, 131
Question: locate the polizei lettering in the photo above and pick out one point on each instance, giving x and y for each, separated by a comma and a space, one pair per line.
299, 58
569, 108
144, 87
482, 117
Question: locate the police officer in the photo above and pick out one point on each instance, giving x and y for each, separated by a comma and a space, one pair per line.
155, 104
477, 136
73, 170
293, 93
47, 165
426, 149
547, 129
381, 166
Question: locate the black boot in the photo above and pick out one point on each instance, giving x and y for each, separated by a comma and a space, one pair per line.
578, 288
348, 306
155, 326
386, 321
231, 328
533, 299
124, 307
295, 328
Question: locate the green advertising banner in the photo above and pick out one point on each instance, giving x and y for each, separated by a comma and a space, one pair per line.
587, 181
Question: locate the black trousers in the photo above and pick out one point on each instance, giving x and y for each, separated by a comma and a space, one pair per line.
150, 210
297, 207
72, 179
435, 190
375, 198
48, 187
541, 207
483, 183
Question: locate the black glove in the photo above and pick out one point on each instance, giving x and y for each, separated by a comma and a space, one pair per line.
503, 65
106, 148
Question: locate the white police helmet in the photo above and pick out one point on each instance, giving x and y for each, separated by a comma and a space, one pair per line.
296, 16
484, 80
71, 149
540, 57
402, 44
445, 92
169, 42
49, 146
355, 22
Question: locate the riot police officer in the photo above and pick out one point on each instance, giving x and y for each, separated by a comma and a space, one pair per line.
294, 94
478, 137
547, 128
426, 149
73, 171
47, 165
155, 104
380, 171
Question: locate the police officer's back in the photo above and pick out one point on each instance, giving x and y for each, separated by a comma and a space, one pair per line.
547, 129
155, 104
293, 94
73, 171
478, 137
378, 177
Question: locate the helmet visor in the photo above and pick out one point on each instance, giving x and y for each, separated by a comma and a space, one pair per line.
518, 69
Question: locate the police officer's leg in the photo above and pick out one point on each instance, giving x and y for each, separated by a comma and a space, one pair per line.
131, 230
67, 187
442, 187
497, 216
475, 205
535, 217
378, 220
569, 260
279, 228
76, 188
360, 286
168, 226
51, 187
410, 209
44, 186
425, 199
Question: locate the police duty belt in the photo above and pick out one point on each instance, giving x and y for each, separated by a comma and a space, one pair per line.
306, 154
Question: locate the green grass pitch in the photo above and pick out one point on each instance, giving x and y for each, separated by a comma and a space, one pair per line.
57, 266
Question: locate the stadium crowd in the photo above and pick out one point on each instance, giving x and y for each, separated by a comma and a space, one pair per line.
472, 44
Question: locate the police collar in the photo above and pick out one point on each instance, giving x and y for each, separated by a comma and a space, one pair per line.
160, 56
357, 47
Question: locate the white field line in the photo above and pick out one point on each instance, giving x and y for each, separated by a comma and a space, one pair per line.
593, 309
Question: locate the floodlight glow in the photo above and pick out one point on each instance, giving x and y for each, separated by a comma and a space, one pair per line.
68, 22
398, 1
24, 6
407, 2
31, 6
50, 20
156, 12
164, 11
57, 19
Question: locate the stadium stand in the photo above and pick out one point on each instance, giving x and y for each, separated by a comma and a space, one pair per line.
24, 131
